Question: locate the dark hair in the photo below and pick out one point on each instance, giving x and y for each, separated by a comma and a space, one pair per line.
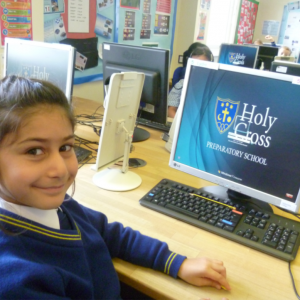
188, 52
18, 95
203, 51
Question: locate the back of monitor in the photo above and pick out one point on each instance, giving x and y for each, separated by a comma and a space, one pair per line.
122, 103
285, 58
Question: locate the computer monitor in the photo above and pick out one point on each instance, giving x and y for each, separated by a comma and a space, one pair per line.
285, 67
266, 54
122, 103
238, 55
154, 63
46, 61
285, 58
238, 128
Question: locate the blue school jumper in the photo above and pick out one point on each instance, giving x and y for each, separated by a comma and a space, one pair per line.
44, 263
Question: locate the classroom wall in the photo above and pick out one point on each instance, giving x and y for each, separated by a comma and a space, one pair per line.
268, 10
185, 30
184, 35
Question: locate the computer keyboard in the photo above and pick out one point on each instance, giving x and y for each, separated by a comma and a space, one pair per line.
154, 125
81, 153
256, 228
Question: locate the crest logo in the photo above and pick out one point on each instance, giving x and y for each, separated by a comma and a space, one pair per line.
231, 57
225, 113
26, 71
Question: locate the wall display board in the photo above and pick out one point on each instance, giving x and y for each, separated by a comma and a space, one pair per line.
16, 19
86, 24
290, 28
146, 22
246, 21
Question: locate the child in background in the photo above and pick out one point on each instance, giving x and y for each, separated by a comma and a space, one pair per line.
283, 50
51, 246
201, 53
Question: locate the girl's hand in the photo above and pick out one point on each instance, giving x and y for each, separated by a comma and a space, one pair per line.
204, 272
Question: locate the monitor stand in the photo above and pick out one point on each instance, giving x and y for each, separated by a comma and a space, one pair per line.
140, 135
250, 203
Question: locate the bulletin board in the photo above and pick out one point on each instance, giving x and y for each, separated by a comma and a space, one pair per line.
86, 24
246, 21
15, 19
290, 28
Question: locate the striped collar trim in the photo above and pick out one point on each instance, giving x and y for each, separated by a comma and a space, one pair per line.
41, 230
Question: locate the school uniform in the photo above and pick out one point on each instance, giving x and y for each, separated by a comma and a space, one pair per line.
175, 94
69, 254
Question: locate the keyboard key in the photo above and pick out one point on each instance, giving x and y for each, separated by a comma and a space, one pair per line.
228, 228
220, 224
289, 248
269, 243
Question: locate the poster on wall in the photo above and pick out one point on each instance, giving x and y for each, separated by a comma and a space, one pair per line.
270, 27
202, 25
86, 27
291, 34
54, 6
151, 24
289, 28
205, 4
246, 21
133, 4
16, 19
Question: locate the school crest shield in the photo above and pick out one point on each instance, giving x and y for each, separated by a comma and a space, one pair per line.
26, 71
225, 113
231, 57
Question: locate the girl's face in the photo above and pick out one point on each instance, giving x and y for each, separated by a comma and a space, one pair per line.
37, 163
200, 57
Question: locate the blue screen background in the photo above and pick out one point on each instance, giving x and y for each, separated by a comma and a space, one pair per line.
249, 52
198, 126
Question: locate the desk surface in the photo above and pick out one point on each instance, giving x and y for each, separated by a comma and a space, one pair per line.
252, 275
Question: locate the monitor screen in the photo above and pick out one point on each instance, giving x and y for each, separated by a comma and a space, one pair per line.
238, 128
154, 63
266, 54
45, 61
238, 55
285, 67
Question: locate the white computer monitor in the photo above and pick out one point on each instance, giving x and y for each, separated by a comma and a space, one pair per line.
121, 107
238, 128
39, 60
285, 58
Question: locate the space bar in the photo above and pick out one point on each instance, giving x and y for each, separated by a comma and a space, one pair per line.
183, 211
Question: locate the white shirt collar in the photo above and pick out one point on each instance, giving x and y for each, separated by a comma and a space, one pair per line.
47, 218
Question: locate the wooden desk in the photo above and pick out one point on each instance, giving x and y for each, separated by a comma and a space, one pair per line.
252, 274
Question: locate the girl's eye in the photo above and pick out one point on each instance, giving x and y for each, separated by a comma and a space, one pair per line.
35, 151
66, 148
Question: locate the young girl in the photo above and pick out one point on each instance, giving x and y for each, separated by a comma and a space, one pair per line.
51, 246
199, 52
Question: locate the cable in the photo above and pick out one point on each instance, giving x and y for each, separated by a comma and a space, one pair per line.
86, 161
89, 120
293, 282
92, 116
